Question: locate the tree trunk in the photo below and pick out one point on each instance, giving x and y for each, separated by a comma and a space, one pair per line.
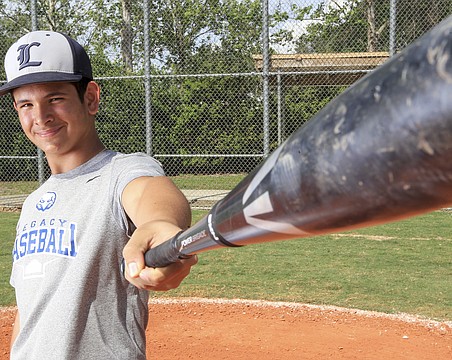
126, 36
372, 36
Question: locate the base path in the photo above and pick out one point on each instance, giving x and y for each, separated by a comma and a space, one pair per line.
204, 329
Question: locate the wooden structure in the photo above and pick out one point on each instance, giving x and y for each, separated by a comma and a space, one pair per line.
321, 69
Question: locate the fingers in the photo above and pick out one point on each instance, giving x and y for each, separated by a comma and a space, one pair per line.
145, 237
162, 279
158, 279
169, 277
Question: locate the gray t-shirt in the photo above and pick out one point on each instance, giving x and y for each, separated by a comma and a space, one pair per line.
72, 298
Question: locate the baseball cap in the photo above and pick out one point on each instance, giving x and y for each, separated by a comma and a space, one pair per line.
45, 56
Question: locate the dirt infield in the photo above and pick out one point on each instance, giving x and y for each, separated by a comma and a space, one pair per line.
233, 329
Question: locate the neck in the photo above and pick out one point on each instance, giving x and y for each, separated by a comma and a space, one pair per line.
62, 163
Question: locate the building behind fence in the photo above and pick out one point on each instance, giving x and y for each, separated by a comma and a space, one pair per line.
211, 87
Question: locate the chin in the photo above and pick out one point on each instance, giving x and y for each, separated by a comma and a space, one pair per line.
51, 148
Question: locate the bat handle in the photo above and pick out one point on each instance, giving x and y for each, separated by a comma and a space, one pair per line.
162, 255
166, 253
200, 237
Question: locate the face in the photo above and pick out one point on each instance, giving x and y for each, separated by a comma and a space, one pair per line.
53, 117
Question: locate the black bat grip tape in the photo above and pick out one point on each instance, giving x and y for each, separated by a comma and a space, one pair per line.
165, 254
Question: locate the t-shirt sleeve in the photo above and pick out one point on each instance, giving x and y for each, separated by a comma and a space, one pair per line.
125, 169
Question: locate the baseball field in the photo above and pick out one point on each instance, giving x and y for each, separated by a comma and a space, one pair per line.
383, 292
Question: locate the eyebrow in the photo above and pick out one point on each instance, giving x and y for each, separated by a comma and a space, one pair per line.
47, 96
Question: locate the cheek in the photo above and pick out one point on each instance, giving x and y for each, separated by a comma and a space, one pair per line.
26, 123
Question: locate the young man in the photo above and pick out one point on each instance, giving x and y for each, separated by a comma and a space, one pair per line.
98, 207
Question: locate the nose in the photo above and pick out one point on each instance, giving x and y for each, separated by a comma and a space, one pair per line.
42, 114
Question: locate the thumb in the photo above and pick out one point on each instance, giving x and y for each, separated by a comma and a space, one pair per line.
133, 258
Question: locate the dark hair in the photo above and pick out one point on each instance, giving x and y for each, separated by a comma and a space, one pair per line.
81, 87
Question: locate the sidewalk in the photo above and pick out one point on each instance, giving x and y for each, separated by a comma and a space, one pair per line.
11, 202
204, 199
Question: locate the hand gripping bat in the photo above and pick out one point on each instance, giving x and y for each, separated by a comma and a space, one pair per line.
379, 152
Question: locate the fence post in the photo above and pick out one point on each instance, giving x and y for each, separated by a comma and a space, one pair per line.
280, 126
392, 27
265, 70
34, 27
147, 79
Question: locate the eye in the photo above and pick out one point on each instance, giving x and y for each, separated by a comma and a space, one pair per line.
24, 105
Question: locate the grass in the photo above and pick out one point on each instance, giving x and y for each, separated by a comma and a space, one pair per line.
7, 234
399, 267
208, 182
199, 182
17, 187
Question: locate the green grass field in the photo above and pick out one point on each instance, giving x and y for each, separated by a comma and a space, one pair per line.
7, 235
198, 182
399, 267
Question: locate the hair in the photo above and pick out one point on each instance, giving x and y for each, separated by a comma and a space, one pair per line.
81, 86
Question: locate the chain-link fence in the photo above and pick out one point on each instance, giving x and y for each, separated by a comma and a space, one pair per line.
210, 87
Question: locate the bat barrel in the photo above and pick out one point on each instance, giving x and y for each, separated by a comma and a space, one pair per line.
379, 152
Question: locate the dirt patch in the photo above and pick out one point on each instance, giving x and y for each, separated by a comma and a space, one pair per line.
363, 236
234, 329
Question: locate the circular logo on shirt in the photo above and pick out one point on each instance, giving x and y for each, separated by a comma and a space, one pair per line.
47, 201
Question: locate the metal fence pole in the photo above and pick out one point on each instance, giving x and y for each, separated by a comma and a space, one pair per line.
147, 78
40, 153
392, 27
279, 108
34, 18
265, 70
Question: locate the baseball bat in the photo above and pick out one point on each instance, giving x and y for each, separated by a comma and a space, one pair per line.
379, 152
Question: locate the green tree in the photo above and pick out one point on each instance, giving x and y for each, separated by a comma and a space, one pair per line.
415, 17
207, 115
340, 28
363, 25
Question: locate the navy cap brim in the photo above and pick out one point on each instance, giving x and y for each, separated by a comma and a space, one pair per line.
37, 78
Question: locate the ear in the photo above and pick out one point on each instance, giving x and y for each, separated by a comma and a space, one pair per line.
92, 97
14, 100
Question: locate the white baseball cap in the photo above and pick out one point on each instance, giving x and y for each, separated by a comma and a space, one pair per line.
45, 56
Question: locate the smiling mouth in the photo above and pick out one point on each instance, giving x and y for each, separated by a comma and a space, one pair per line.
48, 132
